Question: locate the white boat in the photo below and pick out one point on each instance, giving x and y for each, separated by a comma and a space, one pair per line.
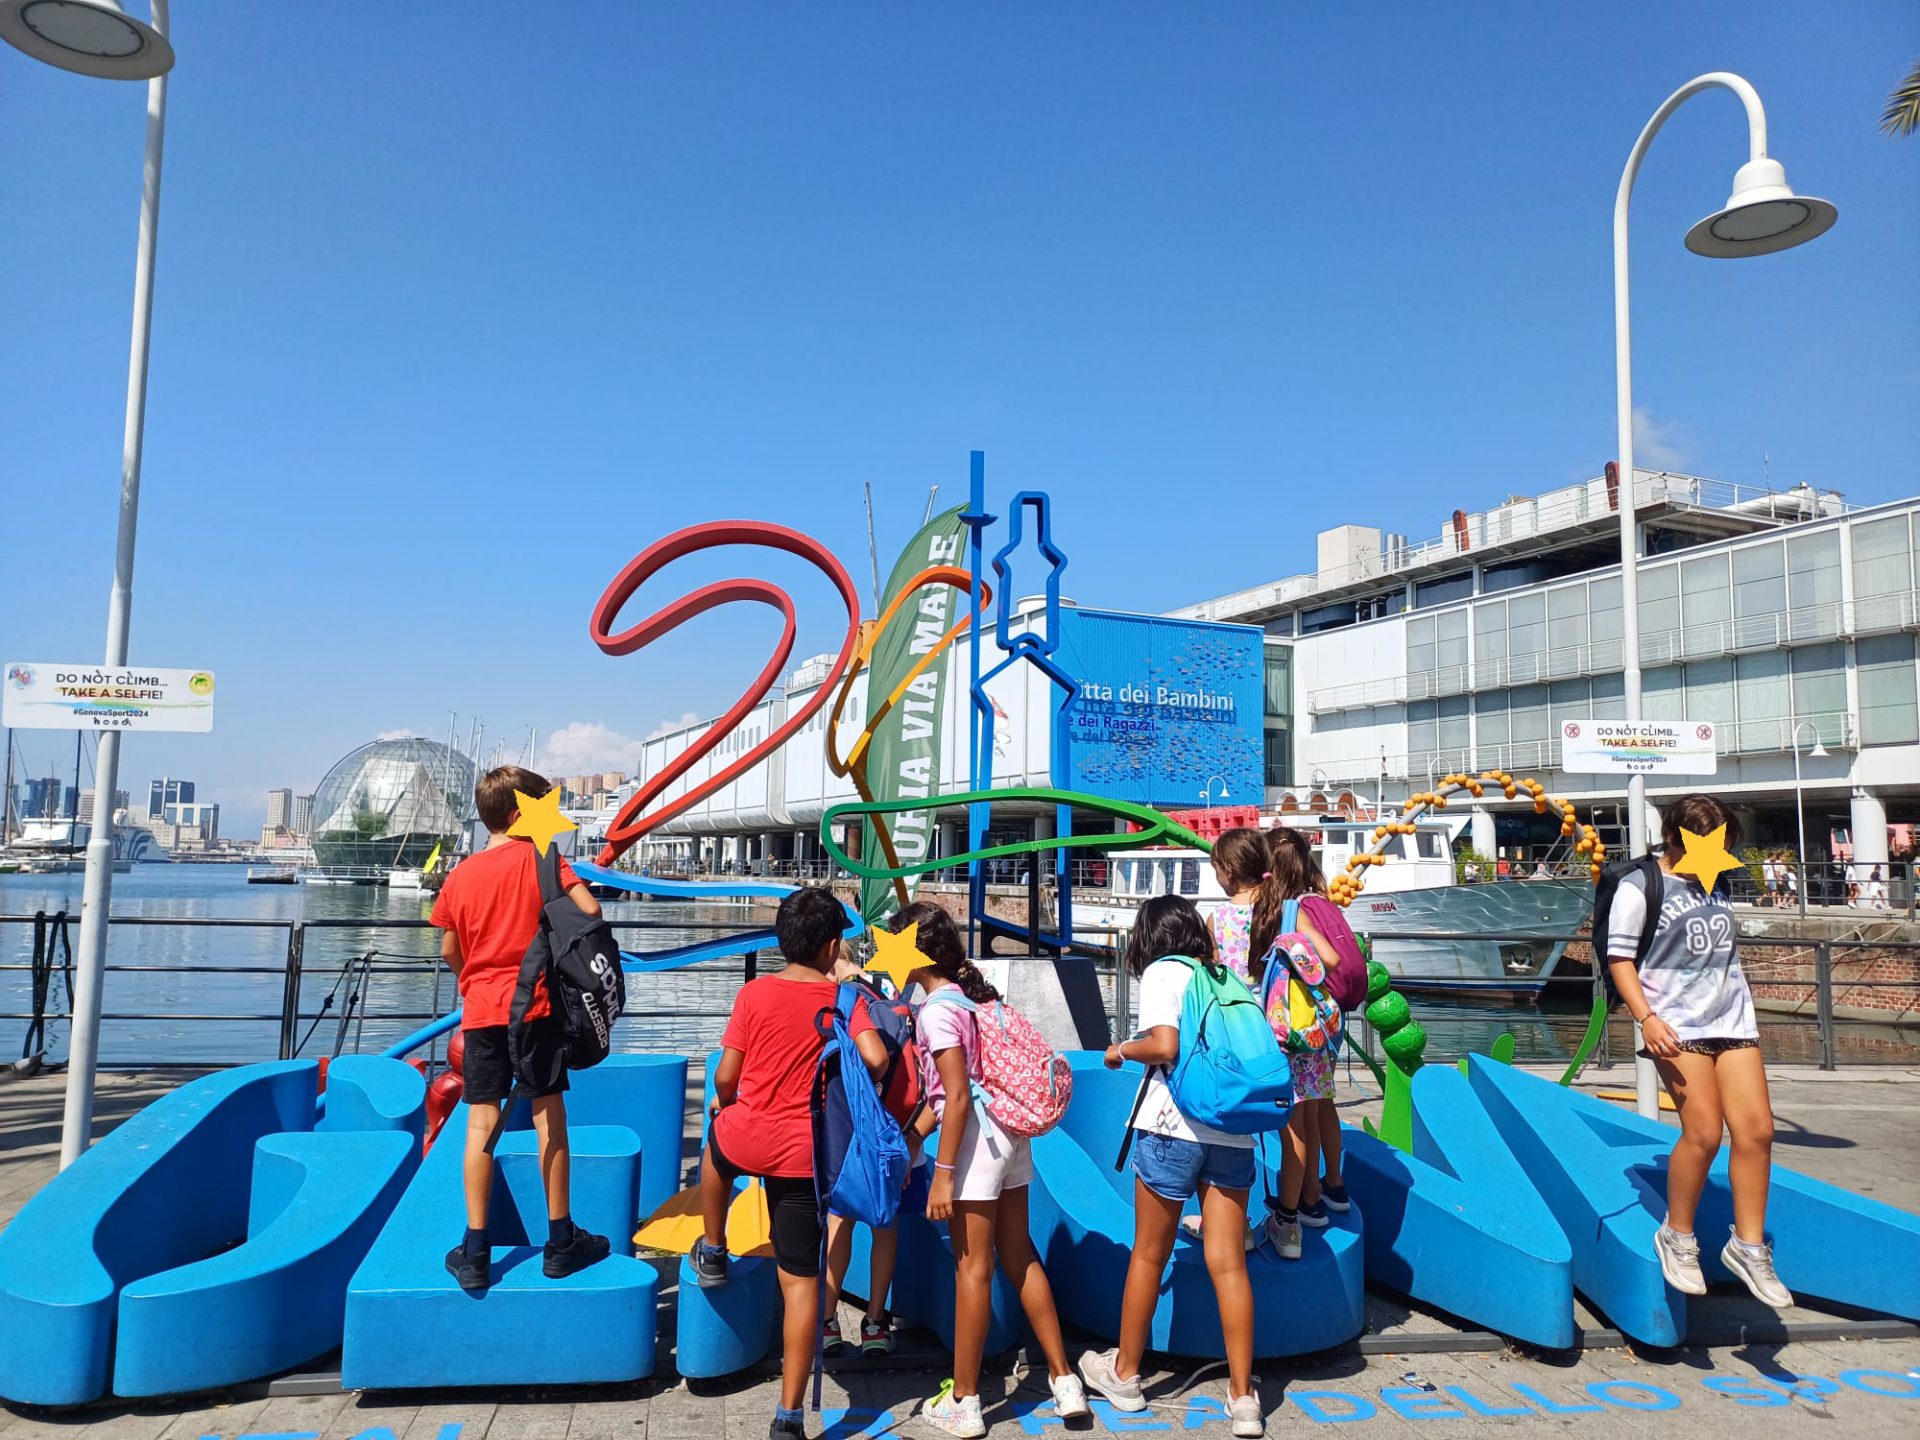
1413, 893
406, 880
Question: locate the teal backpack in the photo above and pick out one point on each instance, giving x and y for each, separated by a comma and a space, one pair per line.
1231, 1074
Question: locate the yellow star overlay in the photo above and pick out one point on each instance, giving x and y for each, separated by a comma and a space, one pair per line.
540, 820
1706, 857
896, 956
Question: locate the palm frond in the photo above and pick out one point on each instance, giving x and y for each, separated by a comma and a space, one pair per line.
1903, 106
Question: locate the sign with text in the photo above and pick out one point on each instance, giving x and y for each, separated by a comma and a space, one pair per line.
1638, 747
35, 696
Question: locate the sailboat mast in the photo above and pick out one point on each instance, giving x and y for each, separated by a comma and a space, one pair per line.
6, 803
73, 811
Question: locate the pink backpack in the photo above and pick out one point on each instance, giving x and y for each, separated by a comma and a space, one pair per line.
1024, 1083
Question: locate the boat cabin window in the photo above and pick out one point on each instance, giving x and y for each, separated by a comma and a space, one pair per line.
1123, 876
1429, 845
1189, 877
1393, 848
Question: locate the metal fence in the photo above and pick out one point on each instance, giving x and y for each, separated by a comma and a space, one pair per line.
330, 986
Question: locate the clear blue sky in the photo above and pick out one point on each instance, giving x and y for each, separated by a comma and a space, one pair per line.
460, 305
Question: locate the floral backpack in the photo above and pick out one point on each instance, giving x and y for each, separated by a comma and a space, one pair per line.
1024, 1083
1295, 993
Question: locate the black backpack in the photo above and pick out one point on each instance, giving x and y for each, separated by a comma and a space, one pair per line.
578, 954
1603, 893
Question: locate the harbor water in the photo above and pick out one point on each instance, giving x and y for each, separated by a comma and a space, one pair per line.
188, 993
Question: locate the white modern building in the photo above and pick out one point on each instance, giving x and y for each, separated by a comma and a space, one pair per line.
1783, 618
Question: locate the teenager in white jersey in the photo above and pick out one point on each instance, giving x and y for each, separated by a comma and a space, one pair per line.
1695, 1012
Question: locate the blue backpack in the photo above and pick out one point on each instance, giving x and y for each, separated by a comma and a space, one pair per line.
859, 1152
1231, 1074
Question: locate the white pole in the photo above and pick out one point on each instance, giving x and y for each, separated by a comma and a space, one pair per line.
1800, 818
1639, 839
96, 897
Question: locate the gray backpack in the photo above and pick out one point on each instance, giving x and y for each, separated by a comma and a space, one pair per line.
586, 987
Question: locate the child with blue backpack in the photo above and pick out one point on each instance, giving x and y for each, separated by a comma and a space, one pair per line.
1177, 1155
980, 1180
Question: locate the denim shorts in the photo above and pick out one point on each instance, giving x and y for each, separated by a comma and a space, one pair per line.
1175, 1169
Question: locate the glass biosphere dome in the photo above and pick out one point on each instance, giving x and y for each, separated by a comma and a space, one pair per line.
389, 803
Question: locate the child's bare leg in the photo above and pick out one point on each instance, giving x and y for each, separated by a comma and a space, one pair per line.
483, 1128
1302, 1149
801, 1296
1225, 1213
556, 1159
1690, 1080
1155, 1219
882, 1255
1749, 1111
716, 1193
1330, 1141
839, 1256
971, 1231
1028, 1277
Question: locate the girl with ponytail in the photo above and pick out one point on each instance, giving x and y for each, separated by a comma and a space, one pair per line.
980, 1180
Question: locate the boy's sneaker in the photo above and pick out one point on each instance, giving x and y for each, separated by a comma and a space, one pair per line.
1754, 1266
832, 1342
1285, 1235
1335, 1198
876, 1337
956, 1417
1680, 1260
787, 1429
1097, 1369
1069, 1399
577, 1254
1190, 1224
709, 1265
1314, 1216
470, 1270
1249, 1421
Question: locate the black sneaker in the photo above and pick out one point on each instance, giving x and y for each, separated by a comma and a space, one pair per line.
786, 1429
469, 1270
576, 1255
709, 1265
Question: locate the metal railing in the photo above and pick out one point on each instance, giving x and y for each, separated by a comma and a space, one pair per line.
1827, 1002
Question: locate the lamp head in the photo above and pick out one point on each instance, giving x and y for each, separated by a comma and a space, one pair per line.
1819, 751
1761, 216
88, 37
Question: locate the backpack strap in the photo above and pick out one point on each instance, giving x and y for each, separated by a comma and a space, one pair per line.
1650, 869
547, 867
1289, 916
1126, 1139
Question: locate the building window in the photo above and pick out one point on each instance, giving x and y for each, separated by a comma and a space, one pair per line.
1659, 614
1610, 697
1420, 657
1455, 732
1527, 722
1278, 701
1429, 593
1423, 730
1706, 605
1526, 636
1759, 594
1820, 689
1663, 694
1279, 625
1813, 586
1490, 645
1490, 727
1567, 630
1889, 707
1603, 623
1765, 700
1450, 649
1279, 767
1882, 573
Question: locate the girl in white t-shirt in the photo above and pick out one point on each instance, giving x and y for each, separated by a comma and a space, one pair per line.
980, 1180
1174, 1159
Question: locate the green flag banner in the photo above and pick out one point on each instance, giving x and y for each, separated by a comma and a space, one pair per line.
903, 759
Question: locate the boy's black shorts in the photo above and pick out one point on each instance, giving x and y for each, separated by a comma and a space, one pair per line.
488, 1067
793, 1210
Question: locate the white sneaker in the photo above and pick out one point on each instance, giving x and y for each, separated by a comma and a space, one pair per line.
956, 1417
1755, 1268
1249, 1422
1191, 1225
1069, 1400
1097, 1369
1285, 1236
1680, 1260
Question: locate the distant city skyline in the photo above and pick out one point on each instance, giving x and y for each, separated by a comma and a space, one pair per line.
1219, 278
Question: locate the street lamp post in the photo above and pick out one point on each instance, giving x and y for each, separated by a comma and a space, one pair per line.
1818, 752
94, 37
1761, 216
1207, 793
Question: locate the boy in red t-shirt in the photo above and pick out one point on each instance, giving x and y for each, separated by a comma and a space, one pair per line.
490, 911
763, 1125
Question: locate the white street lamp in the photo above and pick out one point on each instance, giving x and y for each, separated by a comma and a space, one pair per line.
1818, 752
1761, 216
1207, 794
89, 37
93, 37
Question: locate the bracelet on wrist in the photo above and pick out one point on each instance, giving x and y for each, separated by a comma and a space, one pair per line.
942, 1165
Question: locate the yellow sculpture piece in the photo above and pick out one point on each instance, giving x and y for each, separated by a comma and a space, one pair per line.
677, 1224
